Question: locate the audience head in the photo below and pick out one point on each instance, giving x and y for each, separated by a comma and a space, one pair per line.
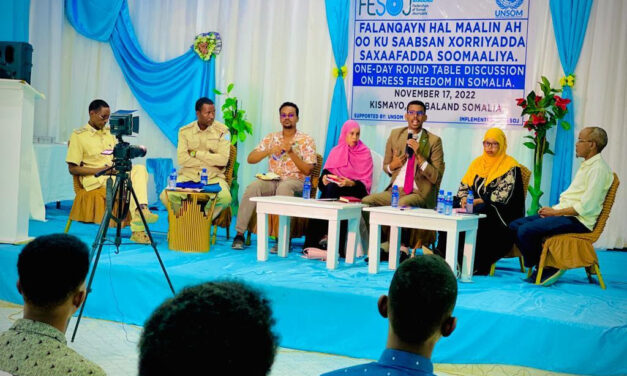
416, 115
99, 113
288, 114
494, 142
420, 303
591, 141
224, 327
52, 271
205, 112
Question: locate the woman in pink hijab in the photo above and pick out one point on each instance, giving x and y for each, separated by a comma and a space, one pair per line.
347, 172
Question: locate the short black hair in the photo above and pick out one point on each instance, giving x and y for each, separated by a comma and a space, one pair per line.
202, 101
224, 326
419, 103
289, 104
421, 297
97, 104
52, 267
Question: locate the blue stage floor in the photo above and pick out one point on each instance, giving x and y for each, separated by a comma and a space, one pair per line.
572, 327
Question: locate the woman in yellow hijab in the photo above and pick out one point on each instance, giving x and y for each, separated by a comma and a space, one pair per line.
496, 183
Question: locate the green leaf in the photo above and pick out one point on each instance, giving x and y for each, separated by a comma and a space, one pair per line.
565, 125
530, 137
229, 102
548, 151
217, 91
229, 88
241, 136
530, 145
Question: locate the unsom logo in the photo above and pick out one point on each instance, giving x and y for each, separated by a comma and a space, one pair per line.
509, 4
509, 9
394, 7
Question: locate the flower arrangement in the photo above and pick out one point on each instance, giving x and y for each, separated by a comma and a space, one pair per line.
207, 45
544, 113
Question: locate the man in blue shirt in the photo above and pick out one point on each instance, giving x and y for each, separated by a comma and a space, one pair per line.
419, 307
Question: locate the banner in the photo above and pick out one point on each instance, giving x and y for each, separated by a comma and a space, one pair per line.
465, 59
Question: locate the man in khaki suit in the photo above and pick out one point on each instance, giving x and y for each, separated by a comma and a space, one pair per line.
420, 154
203, 143
90, 151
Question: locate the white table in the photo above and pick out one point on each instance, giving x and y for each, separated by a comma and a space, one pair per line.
427, 219
286, 207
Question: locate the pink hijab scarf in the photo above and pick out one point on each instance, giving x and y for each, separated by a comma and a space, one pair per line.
353, 162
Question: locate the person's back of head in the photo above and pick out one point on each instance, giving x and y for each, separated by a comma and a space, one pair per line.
222, 327
50, 269
421, 299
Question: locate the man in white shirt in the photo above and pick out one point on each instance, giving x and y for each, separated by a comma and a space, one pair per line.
578, 208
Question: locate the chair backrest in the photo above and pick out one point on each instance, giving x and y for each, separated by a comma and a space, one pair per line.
377, 172
605, 212
526, 175
230, 165
315, 175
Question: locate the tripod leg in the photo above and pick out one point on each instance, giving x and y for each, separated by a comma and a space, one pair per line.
152, 242
97, 248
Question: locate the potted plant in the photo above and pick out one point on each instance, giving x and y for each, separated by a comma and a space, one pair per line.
235, 120
544, 112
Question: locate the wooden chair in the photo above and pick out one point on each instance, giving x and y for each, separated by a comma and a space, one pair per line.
570, 251
224, 218
89, 206
298, 226
515, 252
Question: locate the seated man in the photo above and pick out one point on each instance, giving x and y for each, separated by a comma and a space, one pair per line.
224, 328
90, 151
578, 208
419, 309
203, 143
291, 155
51, 278
415, 161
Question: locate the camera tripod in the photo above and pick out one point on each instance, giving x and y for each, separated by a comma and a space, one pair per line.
120, 191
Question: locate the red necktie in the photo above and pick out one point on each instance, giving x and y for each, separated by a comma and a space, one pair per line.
408, 186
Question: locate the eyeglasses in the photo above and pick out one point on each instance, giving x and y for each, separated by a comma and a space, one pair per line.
417, 113
291, 116
580, 140
490, 145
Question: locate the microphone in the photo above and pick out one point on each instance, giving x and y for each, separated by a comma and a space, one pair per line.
409, 151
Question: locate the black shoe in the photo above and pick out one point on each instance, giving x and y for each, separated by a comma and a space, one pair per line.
383, 256
238, 242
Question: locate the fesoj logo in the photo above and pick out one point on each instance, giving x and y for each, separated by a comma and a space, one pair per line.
383, 7
509, 8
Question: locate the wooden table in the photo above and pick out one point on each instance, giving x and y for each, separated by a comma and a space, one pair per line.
286, 207
427, 219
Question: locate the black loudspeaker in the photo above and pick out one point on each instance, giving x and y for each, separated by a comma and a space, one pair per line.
16, 60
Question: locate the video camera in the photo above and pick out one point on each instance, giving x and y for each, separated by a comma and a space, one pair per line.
123, 123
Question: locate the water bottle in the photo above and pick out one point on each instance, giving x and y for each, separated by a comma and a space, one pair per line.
307, 188
440, 206
203, 177
449, 203
469, 202
394, 202
172, 179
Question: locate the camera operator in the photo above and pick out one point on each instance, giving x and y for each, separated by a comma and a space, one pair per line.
90, 150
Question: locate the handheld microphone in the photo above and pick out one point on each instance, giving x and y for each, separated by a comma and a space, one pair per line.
409, 151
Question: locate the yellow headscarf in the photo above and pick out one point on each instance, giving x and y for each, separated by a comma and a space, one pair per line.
491, 167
